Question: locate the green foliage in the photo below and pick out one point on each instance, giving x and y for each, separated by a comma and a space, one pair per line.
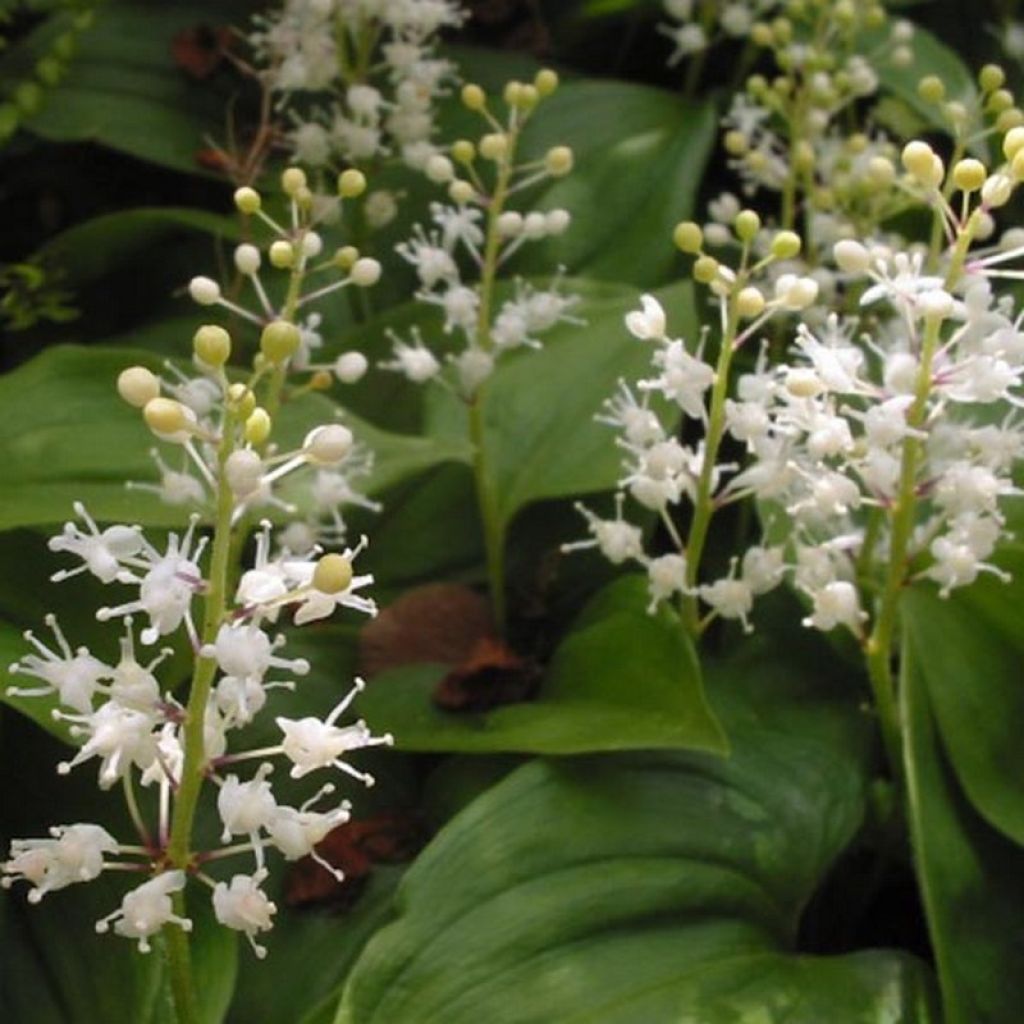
646, 887
621, 680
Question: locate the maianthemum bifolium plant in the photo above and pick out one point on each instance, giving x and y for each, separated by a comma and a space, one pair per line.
805, 454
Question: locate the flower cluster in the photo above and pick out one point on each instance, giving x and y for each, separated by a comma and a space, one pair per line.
372, 73
479, 225
128, 722
660, 472
289, 340
697, 25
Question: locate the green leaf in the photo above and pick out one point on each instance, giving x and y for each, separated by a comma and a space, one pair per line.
540, 435
640, 158
621, 680
971, 877
657, 887
67, 436
970, 662
123, 89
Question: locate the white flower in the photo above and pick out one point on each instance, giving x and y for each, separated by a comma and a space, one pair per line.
245, 807
101, 552
144, 911
616, 539
649, 323
836, 604
120, 737
242, 905
74, 854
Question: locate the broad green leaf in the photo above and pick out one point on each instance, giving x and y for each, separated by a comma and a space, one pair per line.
67, 436
621, 680
971, 877
123, 89
640, 155
654, 887
98, 247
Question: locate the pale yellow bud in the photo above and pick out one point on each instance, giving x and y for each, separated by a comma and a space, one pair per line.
293, 179
494, 146
969, 175
473, 97
545, 82
241, 400
747, 224
258, 426
212, 344
247, 200
558, 161
333, 574
165, 416
688, 237
138, 386
282, 254
280, 341
750, 302
351, 183
786, 245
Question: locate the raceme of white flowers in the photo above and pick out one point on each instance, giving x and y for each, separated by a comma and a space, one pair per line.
289, 340
129, 725
359, 79
879, 450
479, 227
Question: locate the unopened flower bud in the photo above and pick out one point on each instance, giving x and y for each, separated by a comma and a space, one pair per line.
545, 82
1013, 142
365, 272
328, 445
312, 245
241, 400
931, 89
935, 304
247, 200
138, 386
439, 169
473, 97
510, 224
557, 221
282, 254
212, 345
351, 183
292, 180
705, 269
333, 574
204, 290
558, 161
803, 382
494, 146
166, 417
258, 426
512, 92
750, 302
280, 340
969, 175
881, 171
243, 471
997, 190
350, 367
247, 259
688, 237
851, 256
786, 245
345, 257
461, 192
920, 161
463, 151
991, 77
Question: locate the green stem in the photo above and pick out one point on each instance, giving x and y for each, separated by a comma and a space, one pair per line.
703, 508
179, 848
494, 535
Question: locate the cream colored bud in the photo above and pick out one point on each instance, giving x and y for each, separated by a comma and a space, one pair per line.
333, 574
881, 171
991, 77
557, 221
688, 237
851, 256
996, 191
558, 161
258, 426
1017, 165
247, 200
786, 245
365, 272
935, 305
204, 290
247, 259
279, 341
282, 254
746, 225
138, 386
705, 269
312, 245
919, 160
545, 82
439, 169
166, 417
511, 93
351, 183
494, 146
473, 97
1013, 142
803, 382
969, 175
463, 151
212, 345
461, 192
345, 257
350, 367
292, 180
243, 471
510, 224
750, 302
328, 445
931, 89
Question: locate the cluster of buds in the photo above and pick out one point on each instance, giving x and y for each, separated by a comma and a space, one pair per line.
661, 473
481, 178
373, 72
289, 338
697, 25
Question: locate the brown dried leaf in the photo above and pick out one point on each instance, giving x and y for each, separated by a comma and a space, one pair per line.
492, 675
